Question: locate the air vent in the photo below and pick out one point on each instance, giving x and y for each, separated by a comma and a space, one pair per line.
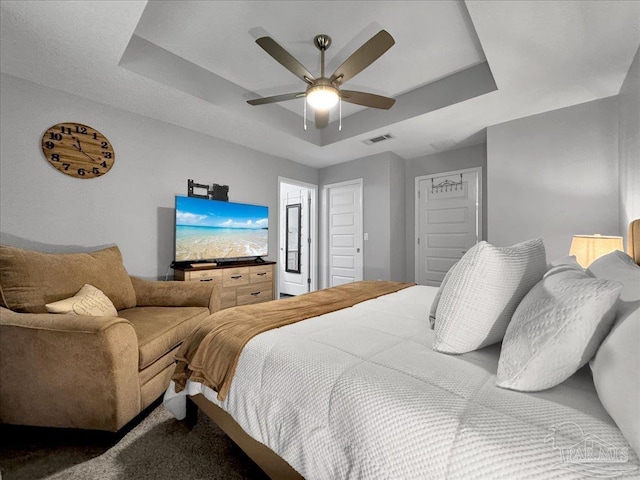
379, 139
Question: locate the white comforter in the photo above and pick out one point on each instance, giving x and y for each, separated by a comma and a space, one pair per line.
360, 394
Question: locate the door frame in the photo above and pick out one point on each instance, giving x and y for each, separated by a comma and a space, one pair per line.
324, 227
313, 232
416, 196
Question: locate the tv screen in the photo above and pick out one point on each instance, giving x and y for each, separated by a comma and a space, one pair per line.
210, 230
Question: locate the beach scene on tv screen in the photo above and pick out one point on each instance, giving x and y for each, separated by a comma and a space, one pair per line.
209, 230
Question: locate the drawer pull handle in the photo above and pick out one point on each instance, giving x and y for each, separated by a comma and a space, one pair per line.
206, 279
261, 274
255, 294
235, 277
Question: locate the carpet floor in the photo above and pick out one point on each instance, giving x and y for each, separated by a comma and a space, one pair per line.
153, 446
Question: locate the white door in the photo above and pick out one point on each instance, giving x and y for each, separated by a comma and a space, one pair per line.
290, 282
447, 221
344, 232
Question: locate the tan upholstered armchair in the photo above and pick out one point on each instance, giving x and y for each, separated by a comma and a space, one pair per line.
81, 371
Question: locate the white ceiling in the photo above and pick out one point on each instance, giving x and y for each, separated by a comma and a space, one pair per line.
456, 68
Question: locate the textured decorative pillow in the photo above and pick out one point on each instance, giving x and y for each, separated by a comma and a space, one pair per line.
555, 330
436, 299
482, 293
29, 280
615, 367
88, 301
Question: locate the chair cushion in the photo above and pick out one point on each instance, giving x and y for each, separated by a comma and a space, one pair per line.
29, 280
159, 329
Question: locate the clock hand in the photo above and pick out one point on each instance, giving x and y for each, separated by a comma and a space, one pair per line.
77, 147
88, 156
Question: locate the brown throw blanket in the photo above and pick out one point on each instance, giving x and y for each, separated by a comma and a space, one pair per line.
210, 354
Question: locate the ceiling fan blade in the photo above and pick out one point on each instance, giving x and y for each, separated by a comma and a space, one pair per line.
322, 118
367, 99
276, 98
363, 57
287, 60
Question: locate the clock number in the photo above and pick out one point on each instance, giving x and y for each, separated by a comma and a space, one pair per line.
80, 129
106, 154
81, 171
104, 164
66, 166
48, 145
55, 157
96, 171
55, 136
104, 145
65, 130
95, 136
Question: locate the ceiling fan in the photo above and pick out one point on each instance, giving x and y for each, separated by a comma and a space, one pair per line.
324, 92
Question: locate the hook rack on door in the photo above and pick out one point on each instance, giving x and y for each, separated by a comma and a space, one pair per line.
446, 185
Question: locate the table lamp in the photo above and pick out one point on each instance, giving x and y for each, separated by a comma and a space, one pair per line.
587, 248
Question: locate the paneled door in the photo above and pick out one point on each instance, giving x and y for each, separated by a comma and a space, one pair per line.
448, 221
344, 232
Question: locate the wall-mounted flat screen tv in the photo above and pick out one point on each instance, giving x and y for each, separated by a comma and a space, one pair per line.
213, 230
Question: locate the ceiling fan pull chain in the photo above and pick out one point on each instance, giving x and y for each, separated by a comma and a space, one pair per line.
304, 122
340, 124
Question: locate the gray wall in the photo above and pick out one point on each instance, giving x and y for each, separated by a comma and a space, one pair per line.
629, 146
554, 175
131, 206
380, 176
460, 159
398, 218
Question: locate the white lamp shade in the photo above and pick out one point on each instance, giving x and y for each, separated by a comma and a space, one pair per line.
587, 248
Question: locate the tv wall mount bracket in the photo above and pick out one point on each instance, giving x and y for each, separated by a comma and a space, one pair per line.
213, 192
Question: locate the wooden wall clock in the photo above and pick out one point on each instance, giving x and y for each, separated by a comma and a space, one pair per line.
77, 150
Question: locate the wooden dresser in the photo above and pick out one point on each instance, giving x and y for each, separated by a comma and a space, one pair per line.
242, 284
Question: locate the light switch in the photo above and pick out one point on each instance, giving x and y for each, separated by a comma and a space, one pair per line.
366, 237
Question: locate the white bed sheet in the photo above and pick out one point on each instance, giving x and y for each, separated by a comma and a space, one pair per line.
360, 394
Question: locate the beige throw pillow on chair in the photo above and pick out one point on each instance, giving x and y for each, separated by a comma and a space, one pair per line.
88, 301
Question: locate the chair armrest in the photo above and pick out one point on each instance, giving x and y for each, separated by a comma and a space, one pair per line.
68, 371
176, 294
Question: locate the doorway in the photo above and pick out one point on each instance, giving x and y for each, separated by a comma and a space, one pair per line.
342, 233
448, 221
297, 259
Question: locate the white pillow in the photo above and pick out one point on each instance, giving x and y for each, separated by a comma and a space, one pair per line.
616, 366
88, 301
555, 330
482, 293
436, 299
568, 262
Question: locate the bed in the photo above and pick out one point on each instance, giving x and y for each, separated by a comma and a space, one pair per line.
361, 393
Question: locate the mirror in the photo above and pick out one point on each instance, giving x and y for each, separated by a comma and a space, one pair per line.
293, 239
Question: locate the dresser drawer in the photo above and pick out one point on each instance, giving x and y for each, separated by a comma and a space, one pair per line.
254, 293
202, 275
235, 276
261, 274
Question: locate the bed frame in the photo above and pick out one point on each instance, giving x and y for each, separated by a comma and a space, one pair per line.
272, 464
633, 241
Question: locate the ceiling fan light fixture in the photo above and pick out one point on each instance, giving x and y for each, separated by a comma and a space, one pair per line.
322, 97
